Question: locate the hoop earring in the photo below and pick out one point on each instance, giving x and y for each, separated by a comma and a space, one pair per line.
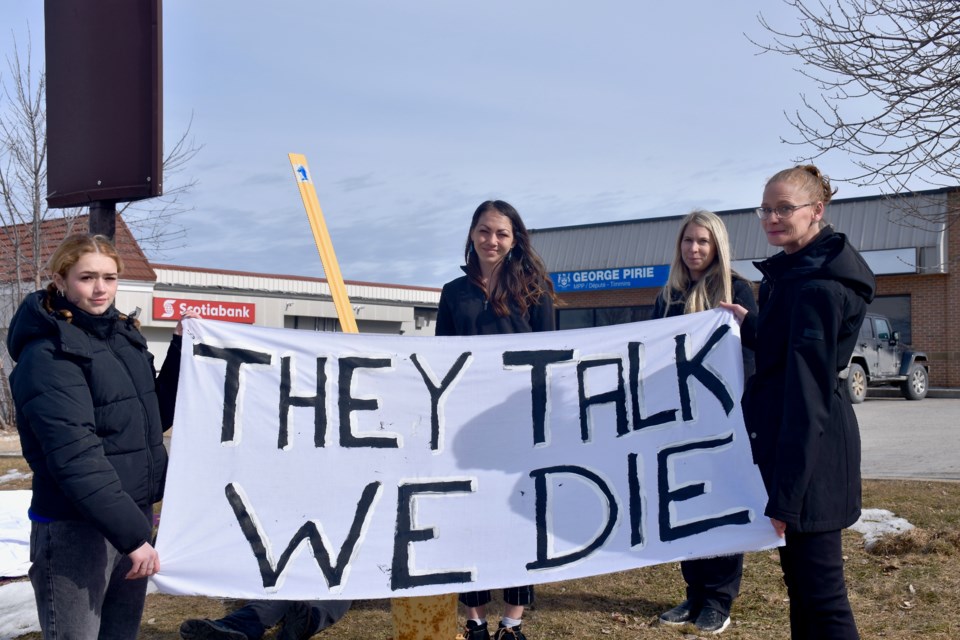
509, 255
470, 249
60, 292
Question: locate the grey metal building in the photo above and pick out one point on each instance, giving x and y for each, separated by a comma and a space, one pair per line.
611, 272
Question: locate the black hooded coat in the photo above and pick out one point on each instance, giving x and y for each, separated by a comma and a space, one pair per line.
803, 431
91, 414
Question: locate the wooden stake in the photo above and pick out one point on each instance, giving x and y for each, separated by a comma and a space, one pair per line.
331, 269
422, 618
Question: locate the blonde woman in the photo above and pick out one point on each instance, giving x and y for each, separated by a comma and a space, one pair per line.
700, 279
91, 413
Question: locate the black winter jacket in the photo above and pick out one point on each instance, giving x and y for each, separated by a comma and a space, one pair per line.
91, 417
463, 311
803, 431
742, 295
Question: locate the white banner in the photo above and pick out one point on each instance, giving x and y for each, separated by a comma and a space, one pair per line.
322, 465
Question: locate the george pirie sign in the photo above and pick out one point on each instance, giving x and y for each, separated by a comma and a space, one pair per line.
612, 278
174, 308
322, 465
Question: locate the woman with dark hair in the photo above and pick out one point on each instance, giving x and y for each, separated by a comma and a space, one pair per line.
91, 412
803, 432
701, 278
506, 289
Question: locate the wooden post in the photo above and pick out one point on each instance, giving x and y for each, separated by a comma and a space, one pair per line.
331, 268
422, 618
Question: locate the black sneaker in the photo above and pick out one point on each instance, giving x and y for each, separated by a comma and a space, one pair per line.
712, 621
204, 629
299, 622
509, 633
474, 631
680, 614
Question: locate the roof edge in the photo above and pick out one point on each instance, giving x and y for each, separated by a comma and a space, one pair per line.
254, 274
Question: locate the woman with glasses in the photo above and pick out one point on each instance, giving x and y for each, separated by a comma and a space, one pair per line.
506, 289
700, 278
802, 428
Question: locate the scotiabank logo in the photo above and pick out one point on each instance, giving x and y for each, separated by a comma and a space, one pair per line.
174, 308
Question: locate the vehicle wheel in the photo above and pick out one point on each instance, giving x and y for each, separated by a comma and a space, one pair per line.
915, 386
857, 383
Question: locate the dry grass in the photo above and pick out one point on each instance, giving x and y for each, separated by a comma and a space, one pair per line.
906, 587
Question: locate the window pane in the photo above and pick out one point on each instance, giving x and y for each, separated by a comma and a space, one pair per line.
621, 315
574, 318
883, 328
897, 308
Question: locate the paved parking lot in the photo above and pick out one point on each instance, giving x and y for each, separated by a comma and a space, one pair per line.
904, 439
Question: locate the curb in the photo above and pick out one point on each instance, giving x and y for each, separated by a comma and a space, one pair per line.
894, 392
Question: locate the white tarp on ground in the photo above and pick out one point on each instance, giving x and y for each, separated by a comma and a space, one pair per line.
317, 465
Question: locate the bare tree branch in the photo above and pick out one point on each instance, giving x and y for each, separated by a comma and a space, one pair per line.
23, 187
898, 62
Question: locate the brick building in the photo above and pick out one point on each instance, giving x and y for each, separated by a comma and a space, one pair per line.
611, 272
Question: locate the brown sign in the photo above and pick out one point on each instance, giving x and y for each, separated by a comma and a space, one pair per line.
104, 101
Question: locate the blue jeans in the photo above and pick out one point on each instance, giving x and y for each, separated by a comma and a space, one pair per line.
78, 581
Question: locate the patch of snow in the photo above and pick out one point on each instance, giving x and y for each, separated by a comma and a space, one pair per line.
14, 474
18, 610
875, 524
14, 534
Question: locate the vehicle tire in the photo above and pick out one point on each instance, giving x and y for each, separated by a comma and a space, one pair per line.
857, 383
916, 385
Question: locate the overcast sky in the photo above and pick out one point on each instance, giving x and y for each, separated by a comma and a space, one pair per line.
412, 113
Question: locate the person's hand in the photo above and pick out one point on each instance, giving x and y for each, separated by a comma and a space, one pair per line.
739, 312
189, 313
146, 562
779, 526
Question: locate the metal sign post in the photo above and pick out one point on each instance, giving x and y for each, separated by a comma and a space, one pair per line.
421, 618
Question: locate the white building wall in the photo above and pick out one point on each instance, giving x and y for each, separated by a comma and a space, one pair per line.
279, 302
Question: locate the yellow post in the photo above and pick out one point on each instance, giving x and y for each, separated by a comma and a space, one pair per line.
423, 618
331, 269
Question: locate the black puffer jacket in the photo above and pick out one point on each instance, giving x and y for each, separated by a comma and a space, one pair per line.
742, 295
803, 431
91, 417
464, 311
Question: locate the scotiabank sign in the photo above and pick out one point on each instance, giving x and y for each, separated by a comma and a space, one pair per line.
174, 308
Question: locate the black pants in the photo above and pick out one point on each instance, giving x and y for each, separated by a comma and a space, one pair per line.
713, 582
517, 596
255, 617
813, 570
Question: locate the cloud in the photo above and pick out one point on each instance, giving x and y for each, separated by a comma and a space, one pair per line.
355, 183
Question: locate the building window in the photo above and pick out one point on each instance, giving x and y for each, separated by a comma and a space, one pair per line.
601, 317
311, 323
575, 318
897, 308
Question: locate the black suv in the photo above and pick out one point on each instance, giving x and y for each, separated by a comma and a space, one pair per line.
881, 359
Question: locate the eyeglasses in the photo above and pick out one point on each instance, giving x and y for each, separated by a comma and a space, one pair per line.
783, 211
